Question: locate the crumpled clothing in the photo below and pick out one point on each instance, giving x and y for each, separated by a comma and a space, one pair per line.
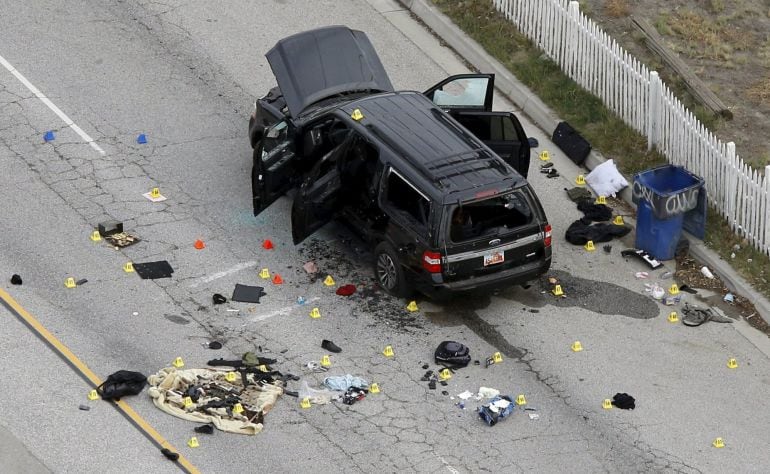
594, 212
498, 408
581, 231
214, 399
344, 382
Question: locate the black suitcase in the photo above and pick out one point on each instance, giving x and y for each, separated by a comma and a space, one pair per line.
571, 143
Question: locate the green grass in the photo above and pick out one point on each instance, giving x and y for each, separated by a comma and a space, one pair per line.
606, 132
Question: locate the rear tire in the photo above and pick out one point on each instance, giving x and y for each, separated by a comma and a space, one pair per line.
388, 271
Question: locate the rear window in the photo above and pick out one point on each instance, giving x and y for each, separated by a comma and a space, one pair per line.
495, 216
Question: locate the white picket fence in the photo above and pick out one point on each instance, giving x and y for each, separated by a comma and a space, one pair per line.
595, 61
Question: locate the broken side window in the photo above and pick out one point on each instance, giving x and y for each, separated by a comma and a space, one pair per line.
404, 198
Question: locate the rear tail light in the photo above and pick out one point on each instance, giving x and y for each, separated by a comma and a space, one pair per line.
431, 261
547, 236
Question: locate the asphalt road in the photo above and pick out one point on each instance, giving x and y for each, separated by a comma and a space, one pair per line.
186, 74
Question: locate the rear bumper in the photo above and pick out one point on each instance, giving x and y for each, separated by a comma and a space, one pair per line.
513, 276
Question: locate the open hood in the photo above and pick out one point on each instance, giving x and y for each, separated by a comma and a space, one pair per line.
317, 64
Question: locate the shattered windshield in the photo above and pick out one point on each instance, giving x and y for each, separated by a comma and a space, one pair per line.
490, 217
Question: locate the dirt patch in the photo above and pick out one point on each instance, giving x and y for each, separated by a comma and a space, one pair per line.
727, 45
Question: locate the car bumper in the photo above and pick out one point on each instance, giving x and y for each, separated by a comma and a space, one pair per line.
514, 276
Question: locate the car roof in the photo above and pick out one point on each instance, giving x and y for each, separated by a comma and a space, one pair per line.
446, 157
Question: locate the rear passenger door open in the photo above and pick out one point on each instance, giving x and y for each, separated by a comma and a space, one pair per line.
464, 92
502, 132
316, 202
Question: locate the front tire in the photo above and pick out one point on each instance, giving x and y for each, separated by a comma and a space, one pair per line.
388, 271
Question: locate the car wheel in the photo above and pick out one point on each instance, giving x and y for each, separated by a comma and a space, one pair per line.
388, 270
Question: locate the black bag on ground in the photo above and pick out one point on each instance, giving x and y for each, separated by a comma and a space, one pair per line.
122, 383
452, 353
581, 231
571, 143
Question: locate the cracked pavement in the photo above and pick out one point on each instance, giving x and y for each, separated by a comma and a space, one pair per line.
186, 74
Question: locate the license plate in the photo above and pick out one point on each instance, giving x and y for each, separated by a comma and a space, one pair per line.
494, 258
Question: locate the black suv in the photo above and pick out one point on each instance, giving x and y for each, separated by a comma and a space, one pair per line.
434, 182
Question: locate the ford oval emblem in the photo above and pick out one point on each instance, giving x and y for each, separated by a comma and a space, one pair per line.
494, 242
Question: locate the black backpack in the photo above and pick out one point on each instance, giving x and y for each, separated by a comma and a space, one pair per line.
452, 353
121, 383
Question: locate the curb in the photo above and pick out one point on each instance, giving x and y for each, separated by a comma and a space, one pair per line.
547, 120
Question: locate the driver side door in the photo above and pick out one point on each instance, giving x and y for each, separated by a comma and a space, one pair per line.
274, 168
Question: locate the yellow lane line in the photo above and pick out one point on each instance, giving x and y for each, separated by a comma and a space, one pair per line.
83, 370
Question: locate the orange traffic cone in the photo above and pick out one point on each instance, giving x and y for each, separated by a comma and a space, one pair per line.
267, 244
277, 280
199, 244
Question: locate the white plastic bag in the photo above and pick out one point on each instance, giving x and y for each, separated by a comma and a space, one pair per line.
606, 180
316, 397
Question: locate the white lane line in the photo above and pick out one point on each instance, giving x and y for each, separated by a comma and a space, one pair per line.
223, 273
68, 121
279, 312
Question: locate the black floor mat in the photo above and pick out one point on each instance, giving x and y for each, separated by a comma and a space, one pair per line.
247, 294
152, 270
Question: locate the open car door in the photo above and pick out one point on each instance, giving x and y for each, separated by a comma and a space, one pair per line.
502, 132
464, 92
274, 169
316, 201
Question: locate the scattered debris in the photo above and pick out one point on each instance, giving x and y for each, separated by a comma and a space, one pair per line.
170, 454
452, 353
211, 396
82, 281
314, 366
642, 255
641, 275
342, 383
346, 290
605, 179
215, 345
486, 392
695, 316
141, 139
310, 267
15, 279
247, 294
120, 384
153, 270
108, 228
154, 195
199, 245
729, 298
624, 401
49, 136
465, 395
666, 275
84, 407
706, 272
607, 248
497, 409
533, 143
318, 397
208, 428
330, 346
219, 299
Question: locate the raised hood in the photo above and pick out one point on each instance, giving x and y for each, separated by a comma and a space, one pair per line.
317, 64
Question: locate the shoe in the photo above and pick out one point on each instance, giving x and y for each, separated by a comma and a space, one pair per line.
205, 429
330, 346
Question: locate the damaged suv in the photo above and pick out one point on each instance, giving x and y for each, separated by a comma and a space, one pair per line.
434, 182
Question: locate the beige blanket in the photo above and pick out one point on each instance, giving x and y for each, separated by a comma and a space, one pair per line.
168, 389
